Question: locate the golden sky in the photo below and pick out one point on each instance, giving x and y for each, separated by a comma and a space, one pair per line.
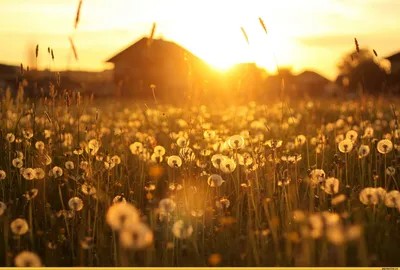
303, 34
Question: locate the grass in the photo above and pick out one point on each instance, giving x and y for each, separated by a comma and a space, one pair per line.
135, 185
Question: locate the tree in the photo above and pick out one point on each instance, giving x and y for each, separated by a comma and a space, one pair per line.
362, 69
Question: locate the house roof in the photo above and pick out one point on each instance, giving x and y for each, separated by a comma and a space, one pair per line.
8, 70
142, 43
312, 76
394, 57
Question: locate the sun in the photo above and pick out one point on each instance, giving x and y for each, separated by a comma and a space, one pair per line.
224, 46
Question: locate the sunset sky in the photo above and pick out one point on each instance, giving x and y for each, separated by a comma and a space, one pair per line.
306, 34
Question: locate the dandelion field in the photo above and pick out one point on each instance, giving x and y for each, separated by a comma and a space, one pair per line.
296, 183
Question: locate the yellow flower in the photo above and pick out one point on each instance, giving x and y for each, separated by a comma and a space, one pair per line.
167, 205
182, 230
331, 185
19, 226
215, 180
27, 259
75, 204
236, 142
3, 175
28, 174
136, 236
384, 146
120, 215
345, 146
174, 161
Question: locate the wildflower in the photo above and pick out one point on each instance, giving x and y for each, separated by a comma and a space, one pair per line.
156, 158
10, 137
187, 154
292, 159
317, 176
75, 204
215, 180
51, 245
69, 165
87, 242
227, 165
136, 236
31, 194
20, 155
93, 147
391, 198
39, 146
27, 134
363, 151
209, 135
167, 205
384, 146
368, 132
109, 164
19, 226
119, 199
3, 175
57, 171
182, 230
217, 160
345, 146
39, 173
197, 213
390, 171
368, 196
84, 165
17, 163
116, 159
78, 151
88, 189
150, 187
284, 181
352, 135
174, 161
48, 160
3, 208
28, 174
236, 142
222, 203
121, 214
27, 259
273, 143
300, 140
175, 186
159, 150
331, 185
182, 142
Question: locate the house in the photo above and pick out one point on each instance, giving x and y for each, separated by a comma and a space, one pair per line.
284, 80
393, 79
8, 76
394, 63
311, 83
160, 63
307, 83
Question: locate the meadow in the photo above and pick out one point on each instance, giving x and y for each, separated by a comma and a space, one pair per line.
293, 183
